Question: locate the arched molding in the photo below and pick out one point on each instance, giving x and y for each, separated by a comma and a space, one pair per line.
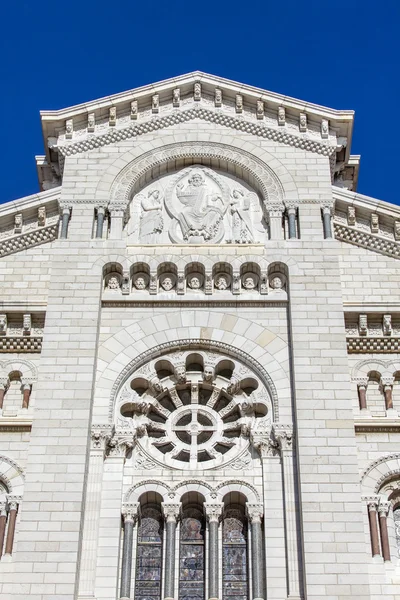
194, 343
261, 169
150, 485
235, 485
193, 485
175, 493
378, 472
364, 367
25, 367
12, 475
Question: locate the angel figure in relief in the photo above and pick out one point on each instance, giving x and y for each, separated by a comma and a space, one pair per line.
242, 228
151, 218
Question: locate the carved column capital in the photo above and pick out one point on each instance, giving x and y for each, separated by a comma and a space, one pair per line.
26, 383
275, 210
213, 511
254, 512
383, 509
13, 501
387, 381
121, 442
283, 434
371, 502
99, 436
4, 382
3, 509
171, 511
362, 382
130, 511
265, 445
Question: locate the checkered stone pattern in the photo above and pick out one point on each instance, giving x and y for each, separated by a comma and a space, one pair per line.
28, 240
366, 240
379, 345
21, 344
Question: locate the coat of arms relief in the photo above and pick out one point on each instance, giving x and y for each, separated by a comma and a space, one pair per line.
197, 205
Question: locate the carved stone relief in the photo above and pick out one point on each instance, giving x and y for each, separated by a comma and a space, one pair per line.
197, 205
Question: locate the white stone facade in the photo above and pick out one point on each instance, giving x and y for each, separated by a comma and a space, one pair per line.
200, 328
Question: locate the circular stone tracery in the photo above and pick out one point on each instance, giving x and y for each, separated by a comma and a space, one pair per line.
193, 407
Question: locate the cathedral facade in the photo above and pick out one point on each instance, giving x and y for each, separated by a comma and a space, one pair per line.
199, 356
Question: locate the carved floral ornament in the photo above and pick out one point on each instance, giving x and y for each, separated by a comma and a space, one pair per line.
191, 409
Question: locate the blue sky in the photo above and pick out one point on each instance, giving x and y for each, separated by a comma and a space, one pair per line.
343, 55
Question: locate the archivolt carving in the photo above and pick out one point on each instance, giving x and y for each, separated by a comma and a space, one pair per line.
238, 486
266, 180
148, 485
379, 471
153, 485
25, 367
195, 344
384, 367
12, 475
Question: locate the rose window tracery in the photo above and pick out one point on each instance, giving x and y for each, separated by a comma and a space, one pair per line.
194, 409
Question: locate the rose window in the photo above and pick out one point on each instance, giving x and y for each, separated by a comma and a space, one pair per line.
193, 410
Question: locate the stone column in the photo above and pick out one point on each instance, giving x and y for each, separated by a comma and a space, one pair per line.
26, 392
362, 392
254, 514
13, 502
101, 211
3, 388
383, 510
372, 505
275, 213
291, 212
326, 218
387, 386
65, 216
117, 222
130, 514
213, 513
171, 513
99, 436
3, 522
284, 436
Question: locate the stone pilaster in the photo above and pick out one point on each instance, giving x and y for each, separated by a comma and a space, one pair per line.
284, 435
99, 436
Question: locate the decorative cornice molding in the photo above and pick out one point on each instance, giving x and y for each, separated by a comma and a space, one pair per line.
197, 111
28, 240
368, 345
367, 240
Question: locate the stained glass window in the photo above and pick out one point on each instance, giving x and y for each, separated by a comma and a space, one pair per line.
191, 558
149, 555
396, 516
234, 559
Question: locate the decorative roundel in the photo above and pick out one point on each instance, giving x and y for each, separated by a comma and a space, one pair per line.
191, 407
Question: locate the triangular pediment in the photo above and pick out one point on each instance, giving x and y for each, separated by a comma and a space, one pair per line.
193, 96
